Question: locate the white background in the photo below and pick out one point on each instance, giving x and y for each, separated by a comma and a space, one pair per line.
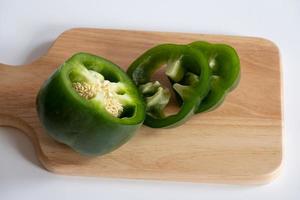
27, 29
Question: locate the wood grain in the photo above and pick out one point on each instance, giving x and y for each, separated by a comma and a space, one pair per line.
240, 142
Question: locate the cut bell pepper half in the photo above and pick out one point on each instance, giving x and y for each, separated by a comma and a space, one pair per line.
90, 104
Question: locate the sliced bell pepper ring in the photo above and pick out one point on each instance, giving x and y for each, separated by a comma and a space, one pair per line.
188, 72
90, 104
225, 65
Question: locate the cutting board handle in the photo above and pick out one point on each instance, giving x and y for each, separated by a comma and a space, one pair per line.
10, 74
11, 80
7, 77
5, 69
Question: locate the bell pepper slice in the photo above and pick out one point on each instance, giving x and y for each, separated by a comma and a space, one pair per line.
90, 104
188, 72
225, 64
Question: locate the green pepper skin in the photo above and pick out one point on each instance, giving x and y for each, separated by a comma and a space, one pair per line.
225, 65
142, 69
82, 124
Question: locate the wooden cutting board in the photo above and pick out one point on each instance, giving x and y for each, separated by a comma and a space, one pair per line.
240, 142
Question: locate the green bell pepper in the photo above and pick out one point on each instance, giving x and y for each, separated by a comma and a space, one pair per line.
189, 74
90, 104
225, 65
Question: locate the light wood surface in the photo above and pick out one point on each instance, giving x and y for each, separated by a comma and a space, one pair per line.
240, 142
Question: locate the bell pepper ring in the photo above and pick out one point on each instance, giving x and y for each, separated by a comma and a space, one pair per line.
189, 74
90, 104
225, 64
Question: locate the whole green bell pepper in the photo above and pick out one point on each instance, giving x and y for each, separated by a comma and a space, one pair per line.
225, 65
188, 72
90, 104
